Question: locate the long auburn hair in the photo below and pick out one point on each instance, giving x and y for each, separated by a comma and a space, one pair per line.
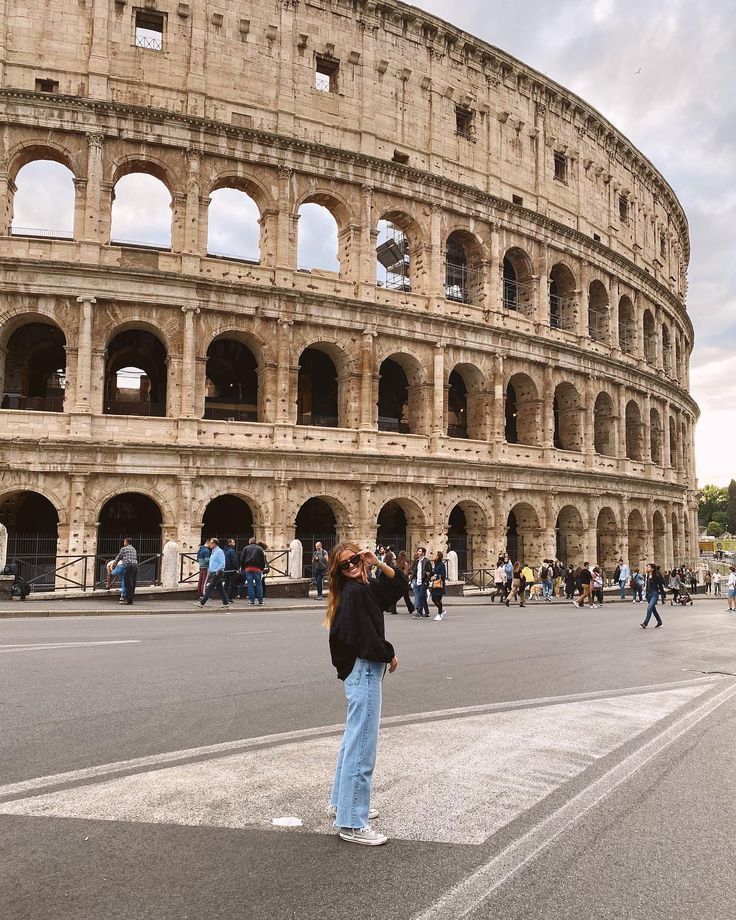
337, 579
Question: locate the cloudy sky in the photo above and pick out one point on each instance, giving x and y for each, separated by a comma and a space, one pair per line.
662, 71
679, 111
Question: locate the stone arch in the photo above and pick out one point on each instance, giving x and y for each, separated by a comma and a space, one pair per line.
234, 226
466, 402
523, 533
634, 431
563, 306
324, 391
607, 540
568, 419
402, 394
518, 284
148, 165
319, 234
604, 430
655, 436
650, 338
136, 371
226, 516
467, 533
599, 319
155, 186
136, 515
659, 543
44, 200
626, 326
464, 255
249, 185
47, 149
522, 410
400, 245
33, 367
637, 534
320, 518
32, 520
214, 492
570, 536
401, 523
233, 374
666, 350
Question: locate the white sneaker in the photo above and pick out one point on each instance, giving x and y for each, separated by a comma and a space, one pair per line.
595, 605
373, 813
438, 617
365, 835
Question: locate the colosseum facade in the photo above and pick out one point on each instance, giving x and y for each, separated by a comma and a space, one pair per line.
499, 355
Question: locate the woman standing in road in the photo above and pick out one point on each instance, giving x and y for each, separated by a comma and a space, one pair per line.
652, 589
731, 588
360, 654
438, 583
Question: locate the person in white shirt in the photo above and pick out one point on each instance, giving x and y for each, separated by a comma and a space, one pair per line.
731, 588
716, 584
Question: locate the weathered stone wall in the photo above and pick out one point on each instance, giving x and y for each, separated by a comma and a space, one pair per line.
230, 101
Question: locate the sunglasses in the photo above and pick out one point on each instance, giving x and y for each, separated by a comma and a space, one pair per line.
349, 563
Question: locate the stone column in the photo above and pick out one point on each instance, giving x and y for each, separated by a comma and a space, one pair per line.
367, 258
188, 362
550, 530
7, 193
437, 256
437, 423
368, 398
622, 400
286, 234
191, 231
669, 540
583, 296
3, 546
646, 430
588, 419
439, 523
547, 421
98, 62
494, 279
283, 414
3, 356
499, 522
97, 213
80, 207
666, 455
498, 417
84, 355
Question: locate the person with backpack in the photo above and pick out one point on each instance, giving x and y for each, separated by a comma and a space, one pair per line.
653, 588
545, 577
319, 568
637, 586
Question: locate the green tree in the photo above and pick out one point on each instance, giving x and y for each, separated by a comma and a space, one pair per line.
712, 500
731, 507
714, 529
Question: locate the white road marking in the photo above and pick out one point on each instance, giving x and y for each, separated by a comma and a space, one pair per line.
468, 896
39, 647
470, 775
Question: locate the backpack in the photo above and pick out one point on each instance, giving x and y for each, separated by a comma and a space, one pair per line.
544, 572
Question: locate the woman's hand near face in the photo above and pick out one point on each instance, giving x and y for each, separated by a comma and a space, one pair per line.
369, 557
394, 663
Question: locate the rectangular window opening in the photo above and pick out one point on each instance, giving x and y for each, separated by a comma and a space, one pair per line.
597, 237
400, 157
662, 245
47, 86
325, 75
464, 126
560, 167
517, 199
623, 208
149, 30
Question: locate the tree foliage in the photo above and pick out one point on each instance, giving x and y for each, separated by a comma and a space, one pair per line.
714, 529
712, 500
731, 507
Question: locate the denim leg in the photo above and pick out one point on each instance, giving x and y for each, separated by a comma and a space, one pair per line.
118, 571
423, 607
416, 598
258, 586
357, 757
652, 609
318, 579
622, 586
250, 583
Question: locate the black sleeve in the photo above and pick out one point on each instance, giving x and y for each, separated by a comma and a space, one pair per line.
388, 590
356, 630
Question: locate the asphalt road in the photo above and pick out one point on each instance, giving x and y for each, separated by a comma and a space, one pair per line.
535, 763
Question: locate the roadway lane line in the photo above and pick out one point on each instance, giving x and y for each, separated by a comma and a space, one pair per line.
469, 895
39, 647
104, 771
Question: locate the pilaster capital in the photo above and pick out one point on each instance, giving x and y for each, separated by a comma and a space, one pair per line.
95, 140
285, 172
192, 308
86, 298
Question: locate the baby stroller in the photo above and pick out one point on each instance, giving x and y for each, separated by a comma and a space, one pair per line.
684, 599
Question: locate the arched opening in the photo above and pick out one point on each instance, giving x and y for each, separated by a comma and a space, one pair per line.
315, 523
317, 246
650, 338
568, 429
135, 374
43, 204
394, 412
231, 387
233, 225
463, 278
393, 259
598, 313
32, 523
570, 534
685, 447
518, 288
659, 542
392, 527
317, 399
141, 212
562, 305
655, 436
138, 517
676, 545
522, 534
457, 407
607, 548
678, 361
674, 454
634, 431
626, 326
35, 369
457, 537
604, 435
228, 516
522, 411
637, 540
666, 350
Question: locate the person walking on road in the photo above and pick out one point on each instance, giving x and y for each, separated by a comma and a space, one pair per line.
652, 589
675, 586
621, 575
499, 582
731, 589
319, 568
361, 654
438, 584
585, 577
421, 572
253, 562
216, 569
518, 586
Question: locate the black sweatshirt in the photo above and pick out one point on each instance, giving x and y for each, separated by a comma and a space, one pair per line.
358, 630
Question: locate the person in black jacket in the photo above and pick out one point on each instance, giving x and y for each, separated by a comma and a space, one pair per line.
252, 564
438, 584
654, 585
231, 567
360, 654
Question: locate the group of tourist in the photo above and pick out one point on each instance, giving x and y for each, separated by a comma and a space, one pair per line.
223, 571
427, 578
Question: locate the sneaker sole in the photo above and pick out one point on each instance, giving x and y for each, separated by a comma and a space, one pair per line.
363, 841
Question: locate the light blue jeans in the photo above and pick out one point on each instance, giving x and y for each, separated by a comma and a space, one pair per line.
118, 570
351, 789
547, 586
254, 584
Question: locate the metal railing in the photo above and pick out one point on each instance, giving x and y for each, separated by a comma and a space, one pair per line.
43, 233
482, 579
152, 43
277, 561
517, 294
134, 407
32, 403
228, 413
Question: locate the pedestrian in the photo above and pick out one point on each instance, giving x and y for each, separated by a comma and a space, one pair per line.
216, 574
693, 581
621, 575
661, 583
653, 588
266, 569
731, 588
716, 583
438, 584
546, 578
585, 579
403, 566
360, 654
559, 573
674, 585
231, 567
421, 572
529, 579
570, 582
637, 586
708, 582
596, 587
203, 561
509, 567
518, 586
127, 556
319, 567
499, 582
252, 564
